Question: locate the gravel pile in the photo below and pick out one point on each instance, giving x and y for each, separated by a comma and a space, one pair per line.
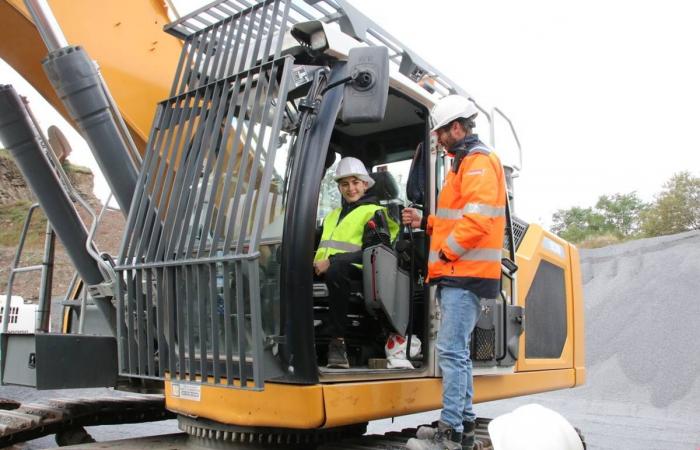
642, 312
642, 306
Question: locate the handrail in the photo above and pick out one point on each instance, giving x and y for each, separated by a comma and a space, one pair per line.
351, 21
71, 191
515, 135
15, 269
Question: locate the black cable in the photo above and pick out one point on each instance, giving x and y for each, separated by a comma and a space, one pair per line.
337, 83
409, 328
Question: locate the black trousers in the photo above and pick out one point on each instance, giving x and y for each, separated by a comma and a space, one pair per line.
338, 278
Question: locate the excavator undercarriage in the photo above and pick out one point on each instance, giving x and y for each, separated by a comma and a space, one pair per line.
67, 419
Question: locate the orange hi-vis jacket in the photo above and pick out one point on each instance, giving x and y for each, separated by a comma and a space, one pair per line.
467, 231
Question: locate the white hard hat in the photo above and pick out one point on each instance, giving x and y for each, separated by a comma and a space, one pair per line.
533, 427
352, 167
450, 108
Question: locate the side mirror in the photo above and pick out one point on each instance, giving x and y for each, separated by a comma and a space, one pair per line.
366, 95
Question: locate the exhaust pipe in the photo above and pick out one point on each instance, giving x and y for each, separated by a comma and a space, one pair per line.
19, 136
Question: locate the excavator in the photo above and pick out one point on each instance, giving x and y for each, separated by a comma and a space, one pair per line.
218, 132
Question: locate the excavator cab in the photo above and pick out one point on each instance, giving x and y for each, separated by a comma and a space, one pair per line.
233, 184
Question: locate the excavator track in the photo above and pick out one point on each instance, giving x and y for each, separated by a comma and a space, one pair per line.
24, 422
209, 435
396, 440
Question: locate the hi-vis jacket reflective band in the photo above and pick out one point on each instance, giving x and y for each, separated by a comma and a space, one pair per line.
346, 235
339, 245
484, 210
469, 224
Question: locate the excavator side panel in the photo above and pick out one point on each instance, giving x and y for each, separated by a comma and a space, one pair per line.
579, 338
339, 404
547, 290
279, 405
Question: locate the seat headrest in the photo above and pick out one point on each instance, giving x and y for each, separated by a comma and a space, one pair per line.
385, 186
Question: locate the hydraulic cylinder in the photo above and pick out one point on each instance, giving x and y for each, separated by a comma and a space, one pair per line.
79, 86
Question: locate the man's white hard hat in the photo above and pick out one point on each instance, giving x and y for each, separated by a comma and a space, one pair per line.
352, 167
450, 108
533, 427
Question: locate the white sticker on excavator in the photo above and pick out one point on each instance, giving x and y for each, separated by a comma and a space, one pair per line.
187, 391
553, 247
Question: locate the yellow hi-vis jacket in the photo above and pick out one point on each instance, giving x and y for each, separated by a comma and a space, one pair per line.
346, 235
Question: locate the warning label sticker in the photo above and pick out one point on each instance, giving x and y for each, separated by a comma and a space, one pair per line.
187, 391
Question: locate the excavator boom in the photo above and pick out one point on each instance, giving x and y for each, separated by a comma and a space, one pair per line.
136, 59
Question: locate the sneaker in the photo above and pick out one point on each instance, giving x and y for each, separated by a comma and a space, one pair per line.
468, 435
441, 438
337, 355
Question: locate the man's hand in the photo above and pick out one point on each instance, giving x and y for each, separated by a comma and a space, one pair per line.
320, 267
412, 217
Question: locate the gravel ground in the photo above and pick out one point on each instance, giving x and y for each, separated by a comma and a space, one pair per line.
643, 387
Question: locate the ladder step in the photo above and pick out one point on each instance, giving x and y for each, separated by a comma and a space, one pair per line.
75, 303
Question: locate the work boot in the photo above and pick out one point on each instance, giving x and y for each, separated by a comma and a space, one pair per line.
468, 435
337, 355
441, 438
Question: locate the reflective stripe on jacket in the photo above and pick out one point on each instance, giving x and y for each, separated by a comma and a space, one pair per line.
346, 235
469, 223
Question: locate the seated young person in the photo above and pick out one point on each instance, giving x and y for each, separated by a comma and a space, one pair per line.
338, 258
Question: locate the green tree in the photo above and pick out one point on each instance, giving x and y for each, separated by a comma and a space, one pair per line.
577, 224
616, 215
622, 213
675, 209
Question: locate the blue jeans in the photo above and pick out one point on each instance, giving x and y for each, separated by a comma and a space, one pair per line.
459, 311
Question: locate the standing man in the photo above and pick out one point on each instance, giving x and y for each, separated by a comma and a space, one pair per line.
338, 259
466, 242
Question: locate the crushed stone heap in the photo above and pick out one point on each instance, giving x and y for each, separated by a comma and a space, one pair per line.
642, 306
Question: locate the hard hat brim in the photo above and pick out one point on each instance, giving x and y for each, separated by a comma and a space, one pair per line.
366, 178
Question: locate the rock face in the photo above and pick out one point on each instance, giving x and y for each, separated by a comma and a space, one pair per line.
12, 186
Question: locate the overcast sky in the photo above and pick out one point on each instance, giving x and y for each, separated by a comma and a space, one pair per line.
604, 95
